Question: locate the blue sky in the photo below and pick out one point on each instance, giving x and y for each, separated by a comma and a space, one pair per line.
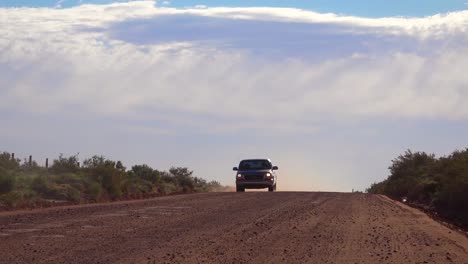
366, 8
330, 99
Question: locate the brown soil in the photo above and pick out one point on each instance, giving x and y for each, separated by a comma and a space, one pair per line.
283, 227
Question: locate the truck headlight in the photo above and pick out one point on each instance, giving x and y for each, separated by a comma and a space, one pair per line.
268, 175
239, 175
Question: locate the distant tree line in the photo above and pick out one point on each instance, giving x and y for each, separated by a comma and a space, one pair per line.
26, 184
438, 184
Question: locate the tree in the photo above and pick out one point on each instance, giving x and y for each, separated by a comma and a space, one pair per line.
105, 172
147, 173
66, 164
183, 177
7, 162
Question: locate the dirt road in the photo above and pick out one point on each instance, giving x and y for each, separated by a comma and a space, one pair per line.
281, 227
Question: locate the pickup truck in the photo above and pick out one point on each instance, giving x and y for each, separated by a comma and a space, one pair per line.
255, 174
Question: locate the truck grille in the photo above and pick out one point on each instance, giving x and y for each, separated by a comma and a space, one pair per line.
254, 177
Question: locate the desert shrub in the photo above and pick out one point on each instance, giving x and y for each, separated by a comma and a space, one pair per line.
64, 178
146, 173
377, 187
30, 167
11, 199
132, 184
62, 192
98, 162
73, 194
168, 187
51, 190
58, 192
95, 190
451, 198
113, 186
183, 178
408, 173
120, 166
215, 186
439, 184
40, 184
65, 164
7, 182
105, 172
200, 185
167, 177
7, 162
98, 179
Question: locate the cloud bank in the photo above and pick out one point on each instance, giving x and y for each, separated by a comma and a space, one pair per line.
288, 65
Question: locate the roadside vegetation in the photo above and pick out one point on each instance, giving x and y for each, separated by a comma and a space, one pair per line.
439, 185
97, 179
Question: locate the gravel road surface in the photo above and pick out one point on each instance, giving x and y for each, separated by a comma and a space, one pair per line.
254, 227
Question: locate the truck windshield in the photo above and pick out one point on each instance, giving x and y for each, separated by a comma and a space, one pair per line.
255, 165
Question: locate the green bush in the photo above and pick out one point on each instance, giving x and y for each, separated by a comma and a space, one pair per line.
7, 162
183, 178
95, 190
168, 187
65, 164
40, 185
439, 184
146, 173
11, 199
7, 182
98, 179
451, 198
107, 174
215, 186
133, 185
73, 194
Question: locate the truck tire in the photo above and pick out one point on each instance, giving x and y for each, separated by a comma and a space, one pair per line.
240, 189
272, 188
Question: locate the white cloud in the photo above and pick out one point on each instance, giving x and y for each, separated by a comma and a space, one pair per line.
93, 15
65, 61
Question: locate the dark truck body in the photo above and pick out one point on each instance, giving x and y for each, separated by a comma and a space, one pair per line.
260, 174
